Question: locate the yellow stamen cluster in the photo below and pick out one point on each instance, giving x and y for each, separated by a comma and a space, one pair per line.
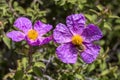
77, 40
32, 34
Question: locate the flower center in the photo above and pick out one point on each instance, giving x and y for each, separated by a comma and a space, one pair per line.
32, 34
77, 40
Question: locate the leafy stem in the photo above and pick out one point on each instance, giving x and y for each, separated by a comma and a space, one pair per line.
29, 58
9, 2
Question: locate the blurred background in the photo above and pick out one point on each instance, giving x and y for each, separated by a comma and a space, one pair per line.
46, 65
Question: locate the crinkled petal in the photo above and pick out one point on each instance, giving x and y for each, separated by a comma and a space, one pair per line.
61, 34
90, 54
23, 23
67, 53
45, 40
91, 33
16, 35
42, 28
33, 42
76, 23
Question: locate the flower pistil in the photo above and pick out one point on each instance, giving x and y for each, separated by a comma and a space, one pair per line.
77, 40
32, 34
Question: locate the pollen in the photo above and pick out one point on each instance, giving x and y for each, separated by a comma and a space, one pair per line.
77, 40
32, 34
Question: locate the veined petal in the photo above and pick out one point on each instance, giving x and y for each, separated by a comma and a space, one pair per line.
42, 28
61, 34
91, 33
45, 40
76, 23
33, 42
23, 23
16, 35
67, 53
90, 54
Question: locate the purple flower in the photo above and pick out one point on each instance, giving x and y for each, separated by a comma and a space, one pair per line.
33, 35
76, 38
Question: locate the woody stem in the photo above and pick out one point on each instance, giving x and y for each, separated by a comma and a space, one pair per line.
30, 55
29, 58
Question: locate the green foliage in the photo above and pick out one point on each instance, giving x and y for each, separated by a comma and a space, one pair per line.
19, 75
14, 61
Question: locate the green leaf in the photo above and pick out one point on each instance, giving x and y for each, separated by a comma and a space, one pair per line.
37, 71
103, 66
91, 67
20, 9
100, 7
117, 21
62, 2
6, 40
80, 6
94, 11
113, 16
19, 75
28, 77
71, 1
107, 26
82, 1
105, 72
15, 4
24, 62
91, 18
79, 76
39, 64
19, 67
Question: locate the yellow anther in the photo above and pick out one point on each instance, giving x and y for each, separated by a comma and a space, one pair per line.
77, 40
32, 34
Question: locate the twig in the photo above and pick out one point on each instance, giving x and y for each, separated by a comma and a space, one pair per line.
99, 21
11, 8
29, 58
48, 62
30, 55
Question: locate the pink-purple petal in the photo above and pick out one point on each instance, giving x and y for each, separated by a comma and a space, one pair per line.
67, 53
42, 28
23, 23
90, 54
61, 34
91, 33
16, 35
76, 23
33, 42
45, 40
